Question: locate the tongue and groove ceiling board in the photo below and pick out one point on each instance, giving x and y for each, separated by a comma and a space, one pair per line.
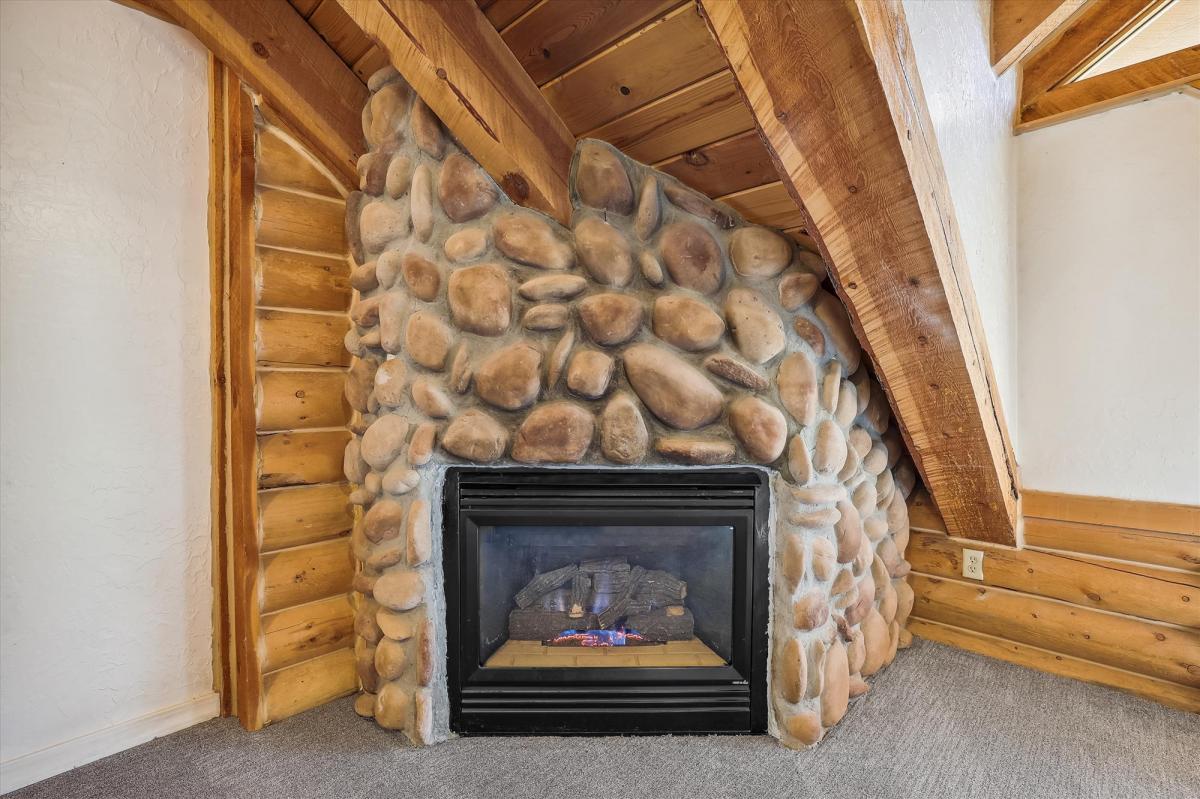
648, 78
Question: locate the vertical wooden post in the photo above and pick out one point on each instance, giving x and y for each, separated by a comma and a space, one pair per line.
240, 381
223, 684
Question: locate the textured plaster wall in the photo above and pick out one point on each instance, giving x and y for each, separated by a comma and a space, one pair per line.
972, 116
1110, 303
105, 598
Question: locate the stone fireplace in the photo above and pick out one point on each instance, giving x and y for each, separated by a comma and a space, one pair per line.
658, 346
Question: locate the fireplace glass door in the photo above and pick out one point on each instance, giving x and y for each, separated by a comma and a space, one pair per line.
606, 600
605, 596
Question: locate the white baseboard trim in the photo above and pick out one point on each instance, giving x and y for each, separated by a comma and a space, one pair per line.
57, 758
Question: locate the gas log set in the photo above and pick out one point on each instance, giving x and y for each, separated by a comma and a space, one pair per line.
602, 602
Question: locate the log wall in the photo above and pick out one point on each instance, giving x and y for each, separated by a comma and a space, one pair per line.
1106, 591
305, 636
287, 297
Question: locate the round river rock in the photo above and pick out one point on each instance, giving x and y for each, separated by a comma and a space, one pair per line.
510, 378
480, 299
673, 390
692, 256
687, 323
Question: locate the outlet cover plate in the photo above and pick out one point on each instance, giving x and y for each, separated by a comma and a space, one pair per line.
972, 562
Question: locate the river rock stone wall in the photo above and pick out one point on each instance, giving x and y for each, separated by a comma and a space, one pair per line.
660, 328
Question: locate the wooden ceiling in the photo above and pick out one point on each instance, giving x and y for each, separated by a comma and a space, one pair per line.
646, 76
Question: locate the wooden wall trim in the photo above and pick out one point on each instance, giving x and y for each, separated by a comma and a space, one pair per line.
241, 406
223, 654
1164, 517
855, 146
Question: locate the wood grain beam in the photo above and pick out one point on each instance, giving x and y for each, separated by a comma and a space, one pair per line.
1019, 26
854, 144
273, 50
457, 62
1111, 89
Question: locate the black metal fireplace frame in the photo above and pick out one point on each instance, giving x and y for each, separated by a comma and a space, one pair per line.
581, 701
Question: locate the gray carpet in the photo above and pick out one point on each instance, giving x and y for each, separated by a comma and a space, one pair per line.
939, 723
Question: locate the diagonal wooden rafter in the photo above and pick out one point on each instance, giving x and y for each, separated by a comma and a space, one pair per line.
835, 93
275, 51
1019, 26
1050, 91
1110, 89
457, 62
1090, 33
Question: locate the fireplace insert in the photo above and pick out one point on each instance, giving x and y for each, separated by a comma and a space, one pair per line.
606, 601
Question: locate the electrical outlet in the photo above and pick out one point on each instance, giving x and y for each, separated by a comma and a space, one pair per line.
973, 564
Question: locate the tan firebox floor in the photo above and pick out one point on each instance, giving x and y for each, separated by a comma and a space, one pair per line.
532, 655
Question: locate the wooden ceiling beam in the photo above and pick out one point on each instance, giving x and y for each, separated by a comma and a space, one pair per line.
854, 144
1111, 89
1089, 34
274, 50
1019, 26
456, 61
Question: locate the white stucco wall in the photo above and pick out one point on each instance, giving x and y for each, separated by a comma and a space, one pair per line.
972, 116
105, 596
1110, 303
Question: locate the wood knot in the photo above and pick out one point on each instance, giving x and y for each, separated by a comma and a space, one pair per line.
1094, 597
515, 186
695, 157
260, 50
441, 73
